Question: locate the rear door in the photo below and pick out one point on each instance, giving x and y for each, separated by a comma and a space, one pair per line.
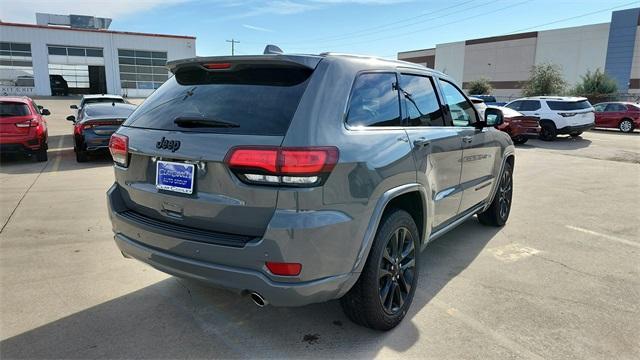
194, 119
479, 148
436, 145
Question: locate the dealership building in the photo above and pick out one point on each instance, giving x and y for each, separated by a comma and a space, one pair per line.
506, 61
86, 55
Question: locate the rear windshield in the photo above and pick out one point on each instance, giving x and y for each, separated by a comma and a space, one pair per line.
109, 110
569, 105
8, 109
249, 100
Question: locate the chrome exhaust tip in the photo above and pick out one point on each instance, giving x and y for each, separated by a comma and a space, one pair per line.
258, 299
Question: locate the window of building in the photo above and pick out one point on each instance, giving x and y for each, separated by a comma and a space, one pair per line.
75, 51
16, 68
142, 69
421, 101
77, 76
461, 109
374, 101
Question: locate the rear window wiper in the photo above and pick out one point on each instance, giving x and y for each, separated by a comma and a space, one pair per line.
198, 122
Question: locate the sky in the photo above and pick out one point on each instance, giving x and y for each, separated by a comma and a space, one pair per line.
372, 27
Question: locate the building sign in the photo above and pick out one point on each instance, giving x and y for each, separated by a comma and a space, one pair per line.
17, 90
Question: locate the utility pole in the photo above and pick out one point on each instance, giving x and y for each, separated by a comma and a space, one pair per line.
233, 43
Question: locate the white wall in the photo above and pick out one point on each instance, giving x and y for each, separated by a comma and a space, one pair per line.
450, 60
576, 49
39, 38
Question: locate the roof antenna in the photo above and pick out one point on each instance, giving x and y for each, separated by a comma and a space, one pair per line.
272, 50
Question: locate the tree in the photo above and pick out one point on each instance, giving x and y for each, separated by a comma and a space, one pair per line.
595, 83
481, 86
545, 79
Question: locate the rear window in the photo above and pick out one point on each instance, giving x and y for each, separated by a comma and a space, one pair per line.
569, 105
255, 100
108, 110
8, 109
102, 100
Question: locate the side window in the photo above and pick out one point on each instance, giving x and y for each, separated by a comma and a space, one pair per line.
374, 101
462, 111
515, 105
615, 108
530, 105
599, 107
423, 107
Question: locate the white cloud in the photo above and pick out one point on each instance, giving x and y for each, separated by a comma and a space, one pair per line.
24, 11
256, 28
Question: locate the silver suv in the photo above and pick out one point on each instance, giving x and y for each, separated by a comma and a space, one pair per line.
300, 179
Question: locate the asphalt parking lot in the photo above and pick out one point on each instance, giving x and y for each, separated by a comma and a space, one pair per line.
561, 280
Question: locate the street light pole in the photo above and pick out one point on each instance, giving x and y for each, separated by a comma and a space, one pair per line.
233, 43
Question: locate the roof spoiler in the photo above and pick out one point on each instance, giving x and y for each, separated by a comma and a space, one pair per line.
305, 61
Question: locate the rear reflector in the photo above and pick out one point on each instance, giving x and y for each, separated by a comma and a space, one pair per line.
217, 66
119, 148
284, 269
282, 166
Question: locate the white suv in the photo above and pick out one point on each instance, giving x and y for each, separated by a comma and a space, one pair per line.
558, 114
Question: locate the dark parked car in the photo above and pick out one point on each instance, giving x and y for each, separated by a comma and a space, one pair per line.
23, 128
618, 115
94, 126
295, 179
520, 127
59, 85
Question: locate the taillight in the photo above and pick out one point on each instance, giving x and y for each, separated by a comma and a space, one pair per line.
284, 269
283, 166
119, 148
217, 66
567, 114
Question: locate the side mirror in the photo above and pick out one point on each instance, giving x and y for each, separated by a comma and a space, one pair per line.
492, 117
45, 112
74, 107
71, 118
40, 107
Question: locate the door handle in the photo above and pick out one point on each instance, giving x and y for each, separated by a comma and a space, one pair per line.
536, 114
467, 139
421, 142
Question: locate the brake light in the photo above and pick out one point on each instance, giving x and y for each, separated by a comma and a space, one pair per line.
567, 114
300, 166
119, 149
284, 269
217, 66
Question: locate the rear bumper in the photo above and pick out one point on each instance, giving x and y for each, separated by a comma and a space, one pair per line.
23, 147
576, 128
242, 268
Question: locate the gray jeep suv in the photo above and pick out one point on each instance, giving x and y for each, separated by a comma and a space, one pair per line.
295, 179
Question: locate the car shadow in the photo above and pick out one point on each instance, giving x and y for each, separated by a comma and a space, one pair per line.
560, 143
616, 131
177, 318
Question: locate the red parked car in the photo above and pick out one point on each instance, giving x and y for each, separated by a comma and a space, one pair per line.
22, 127
618, 115
520, 127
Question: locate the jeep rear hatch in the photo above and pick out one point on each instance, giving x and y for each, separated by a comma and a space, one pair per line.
197, 117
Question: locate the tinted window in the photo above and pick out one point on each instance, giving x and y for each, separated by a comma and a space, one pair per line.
13, 109
515, 105
102, 100
57, 50
423, 108
462, 111
76, 52
529, 105
568, 105
108, 110
615, 108
374, 101
259, 100
599, 107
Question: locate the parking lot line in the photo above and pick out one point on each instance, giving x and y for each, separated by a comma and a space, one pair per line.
614, 238
56, 163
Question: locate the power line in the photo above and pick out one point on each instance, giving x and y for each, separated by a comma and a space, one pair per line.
574, 17
429, 27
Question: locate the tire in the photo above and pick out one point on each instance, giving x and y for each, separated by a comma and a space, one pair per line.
498, 212
626, 126
575, 134
41, 155
548, 131
81, 156
366, 303
519, 140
